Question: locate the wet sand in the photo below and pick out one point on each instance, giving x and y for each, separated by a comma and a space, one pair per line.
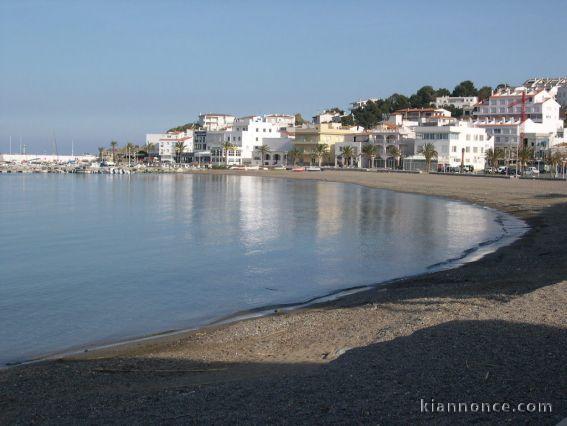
494, 330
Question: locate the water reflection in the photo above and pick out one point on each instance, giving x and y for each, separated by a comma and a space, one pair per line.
92, 258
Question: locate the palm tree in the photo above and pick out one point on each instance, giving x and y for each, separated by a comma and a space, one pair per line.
149, 148
554, 161
370, 151
320, 151
130, 147
394, 151
429, 152
294, 154
264, 149
101, 153
113, 145
525, 154
348, 153
493, 156
179, 148
227, 146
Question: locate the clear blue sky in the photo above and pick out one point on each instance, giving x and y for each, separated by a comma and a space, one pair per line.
94, 71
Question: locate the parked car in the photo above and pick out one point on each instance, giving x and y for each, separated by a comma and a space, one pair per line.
531, 171
312, 169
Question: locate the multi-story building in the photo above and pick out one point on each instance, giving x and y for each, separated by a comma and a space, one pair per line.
547, 83
214, 122
456, 145
421, 114
245, 134
283, 121
466, 103
307, 137
501, 116
164, 145
328, 116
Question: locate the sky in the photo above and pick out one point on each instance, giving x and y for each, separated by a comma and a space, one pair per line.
95, 71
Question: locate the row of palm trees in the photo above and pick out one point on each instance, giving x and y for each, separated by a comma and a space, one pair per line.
132, 151
525, 155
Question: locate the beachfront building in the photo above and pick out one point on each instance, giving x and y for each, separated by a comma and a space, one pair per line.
466, 103
214, 121
500, 115
460, 144
307, 137
276, 154
164, 145
247, 134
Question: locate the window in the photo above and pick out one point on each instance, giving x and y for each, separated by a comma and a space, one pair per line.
256, 139
468, 137
468, 149
475, 150
454, 148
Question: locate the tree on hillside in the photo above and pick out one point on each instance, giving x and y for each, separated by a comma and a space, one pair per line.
336, 110
484, 92
423, 97
347, 120
369, 115
442, 92
299, 120
455, 112
184, 127
396, 102
465, 88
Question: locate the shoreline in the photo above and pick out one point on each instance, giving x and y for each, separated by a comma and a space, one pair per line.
511, 233
541, 204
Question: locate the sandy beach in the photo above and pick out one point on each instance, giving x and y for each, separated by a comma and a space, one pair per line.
494, 330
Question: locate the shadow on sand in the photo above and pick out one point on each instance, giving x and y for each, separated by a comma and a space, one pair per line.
465, 361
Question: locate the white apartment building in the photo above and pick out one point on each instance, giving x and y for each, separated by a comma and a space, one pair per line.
214, 122
500, 115
456, 143
466, 103
246, 133
164, 144
283, 121
327, 117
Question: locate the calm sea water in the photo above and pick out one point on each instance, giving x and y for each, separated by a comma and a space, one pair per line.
86, 259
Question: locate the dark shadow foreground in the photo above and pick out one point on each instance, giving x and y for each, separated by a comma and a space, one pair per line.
465, 361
